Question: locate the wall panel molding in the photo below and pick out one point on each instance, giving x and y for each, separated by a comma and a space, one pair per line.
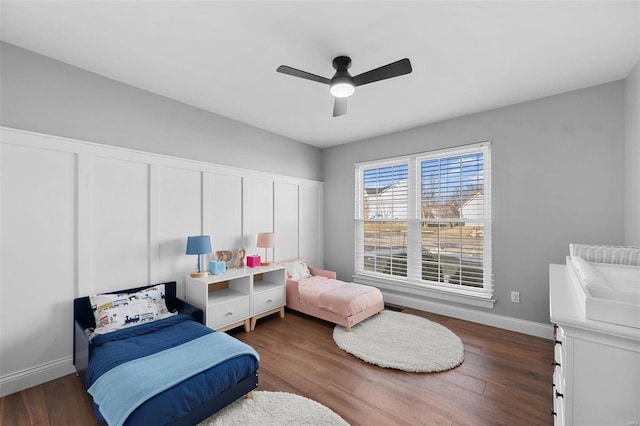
131, 213
59, 143
286, 221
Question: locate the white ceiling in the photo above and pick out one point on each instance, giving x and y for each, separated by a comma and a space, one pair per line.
221, 56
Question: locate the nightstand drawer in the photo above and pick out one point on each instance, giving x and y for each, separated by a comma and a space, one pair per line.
268, 300
229, 312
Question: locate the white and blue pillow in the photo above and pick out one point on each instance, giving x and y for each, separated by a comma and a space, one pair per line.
115, 311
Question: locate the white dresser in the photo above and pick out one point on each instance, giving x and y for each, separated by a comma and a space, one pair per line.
596, 379
238, 296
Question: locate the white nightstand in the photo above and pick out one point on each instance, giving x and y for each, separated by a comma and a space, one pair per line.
238, 296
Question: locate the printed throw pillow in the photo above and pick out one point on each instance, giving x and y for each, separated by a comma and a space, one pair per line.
297, 270
115, 311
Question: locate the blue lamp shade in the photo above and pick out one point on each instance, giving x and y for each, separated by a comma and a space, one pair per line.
199, 244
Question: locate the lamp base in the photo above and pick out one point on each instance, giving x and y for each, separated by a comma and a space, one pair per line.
265, 263
199, 274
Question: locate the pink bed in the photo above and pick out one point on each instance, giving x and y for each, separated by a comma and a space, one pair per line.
322, 296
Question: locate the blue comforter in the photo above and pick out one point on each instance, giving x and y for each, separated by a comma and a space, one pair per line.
120, 347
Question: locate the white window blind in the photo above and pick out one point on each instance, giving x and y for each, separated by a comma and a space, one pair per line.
425, 220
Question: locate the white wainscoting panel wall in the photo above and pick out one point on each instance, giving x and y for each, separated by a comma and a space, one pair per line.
119, 224
223, 213
257, 213
311, 224
38, 267
175, 213
78, 218
286, 221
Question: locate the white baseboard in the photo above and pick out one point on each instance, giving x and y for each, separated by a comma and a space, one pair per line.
513, 324
23, 379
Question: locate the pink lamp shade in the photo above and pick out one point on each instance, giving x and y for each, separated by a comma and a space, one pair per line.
266, 240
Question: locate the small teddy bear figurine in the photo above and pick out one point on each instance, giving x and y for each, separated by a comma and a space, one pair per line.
240, 258
224, 256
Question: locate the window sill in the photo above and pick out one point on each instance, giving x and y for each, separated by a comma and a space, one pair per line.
406, 288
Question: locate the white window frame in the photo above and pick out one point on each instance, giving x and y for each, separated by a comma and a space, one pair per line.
413, 284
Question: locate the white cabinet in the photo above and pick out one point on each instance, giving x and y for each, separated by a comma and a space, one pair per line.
268, 294
596, 379
238, 296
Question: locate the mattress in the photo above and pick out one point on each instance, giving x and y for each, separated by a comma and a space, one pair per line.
110, 350
336, 296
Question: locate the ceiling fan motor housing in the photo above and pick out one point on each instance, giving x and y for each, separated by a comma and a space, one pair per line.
341, 63
341, 85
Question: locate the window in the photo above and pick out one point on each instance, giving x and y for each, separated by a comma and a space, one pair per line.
425, 220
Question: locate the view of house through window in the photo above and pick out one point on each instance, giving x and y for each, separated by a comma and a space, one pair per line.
426, 219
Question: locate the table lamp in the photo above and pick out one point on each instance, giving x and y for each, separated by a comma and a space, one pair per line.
266, 240
199, 245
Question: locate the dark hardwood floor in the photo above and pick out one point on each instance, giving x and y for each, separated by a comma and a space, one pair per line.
505, 379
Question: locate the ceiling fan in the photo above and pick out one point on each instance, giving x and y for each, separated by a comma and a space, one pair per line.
342, 85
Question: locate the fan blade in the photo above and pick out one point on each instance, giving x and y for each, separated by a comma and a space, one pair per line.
302, 74
340, 107
394, 69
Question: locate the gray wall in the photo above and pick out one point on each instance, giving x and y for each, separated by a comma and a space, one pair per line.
558, 162
632, 158
558, 178
43, 95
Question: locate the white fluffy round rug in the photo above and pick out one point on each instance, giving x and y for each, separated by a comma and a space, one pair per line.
274, 408
403, 342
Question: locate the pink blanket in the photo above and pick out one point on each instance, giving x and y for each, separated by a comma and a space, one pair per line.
337, 296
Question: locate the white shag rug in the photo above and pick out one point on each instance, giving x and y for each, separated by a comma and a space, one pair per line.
274, 408
403, 342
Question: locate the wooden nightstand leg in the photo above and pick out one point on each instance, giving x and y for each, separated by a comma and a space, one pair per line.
247, 326
348, 329
254, 320
282, 312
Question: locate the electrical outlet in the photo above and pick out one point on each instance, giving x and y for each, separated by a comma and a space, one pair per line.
515, 297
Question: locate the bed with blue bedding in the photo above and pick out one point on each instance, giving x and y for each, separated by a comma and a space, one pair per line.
168, 371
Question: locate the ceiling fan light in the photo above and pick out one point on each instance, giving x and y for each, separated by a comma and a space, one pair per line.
342, 89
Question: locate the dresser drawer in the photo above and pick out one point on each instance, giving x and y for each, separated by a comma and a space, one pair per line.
558, 359
558, 410
558, 397
267, 300
228, 312
558, 382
